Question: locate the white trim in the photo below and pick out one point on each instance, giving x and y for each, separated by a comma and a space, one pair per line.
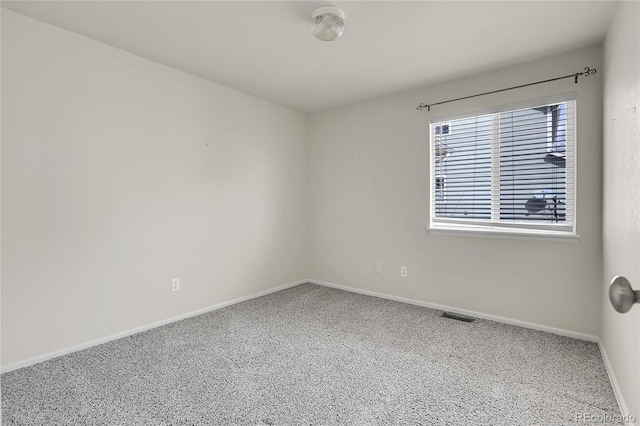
504, 233
562, 332
504, 320
45, 357
614, 382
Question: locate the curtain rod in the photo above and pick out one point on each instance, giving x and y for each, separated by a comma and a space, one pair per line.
587, 72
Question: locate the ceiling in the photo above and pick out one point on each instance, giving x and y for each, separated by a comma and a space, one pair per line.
265, 48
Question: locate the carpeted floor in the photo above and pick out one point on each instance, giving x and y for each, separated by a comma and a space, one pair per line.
316, 355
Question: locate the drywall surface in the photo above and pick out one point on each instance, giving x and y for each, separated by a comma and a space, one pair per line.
369, 188
620, 333
119, 174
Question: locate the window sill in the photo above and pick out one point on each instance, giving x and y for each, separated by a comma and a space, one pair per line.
514, 234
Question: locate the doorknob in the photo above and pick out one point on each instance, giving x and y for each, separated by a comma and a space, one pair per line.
621, 295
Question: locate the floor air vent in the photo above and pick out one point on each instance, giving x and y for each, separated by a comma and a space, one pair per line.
458, 317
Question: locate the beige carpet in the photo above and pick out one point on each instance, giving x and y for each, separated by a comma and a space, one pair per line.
315, 355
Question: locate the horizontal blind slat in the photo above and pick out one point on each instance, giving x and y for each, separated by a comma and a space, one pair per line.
534, 157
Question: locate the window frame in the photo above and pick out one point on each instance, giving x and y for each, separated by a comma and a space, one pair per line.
492, 229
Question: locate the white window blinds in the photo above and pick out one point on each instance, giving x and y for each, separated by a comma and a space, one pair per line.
511, 170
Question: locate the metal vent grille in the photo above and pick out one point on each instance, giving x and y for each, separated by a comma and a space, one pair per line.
457, 317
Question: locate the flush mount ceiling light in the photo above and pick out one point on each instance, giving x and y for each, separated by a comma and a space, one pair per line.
328, 23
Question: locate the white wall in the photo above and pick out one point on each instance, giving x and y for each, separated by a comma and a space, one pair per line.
119, 174
369, 189
620, 333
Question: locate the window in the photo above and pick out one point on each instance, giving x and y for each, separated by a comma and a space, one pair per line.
511, 171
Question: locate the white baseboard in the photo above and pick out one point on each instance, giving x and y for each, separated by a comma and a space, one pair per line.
568, 333
614, 383
40, 358
504, 320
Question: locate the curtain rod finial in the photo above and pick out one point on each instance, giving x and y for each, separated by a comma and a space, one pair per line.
587, 72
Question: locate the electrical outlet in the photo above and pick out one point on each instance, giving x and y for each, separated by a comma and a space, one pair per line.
378, 267
403, 271
175, 284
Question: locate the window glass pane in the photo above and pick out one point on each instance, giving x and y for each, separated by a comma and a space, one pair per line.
559, 143
462, 182
532, 167
513, 170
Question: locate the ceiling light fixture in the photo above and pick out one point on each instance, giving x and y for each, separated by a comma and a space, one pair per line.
328, 23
